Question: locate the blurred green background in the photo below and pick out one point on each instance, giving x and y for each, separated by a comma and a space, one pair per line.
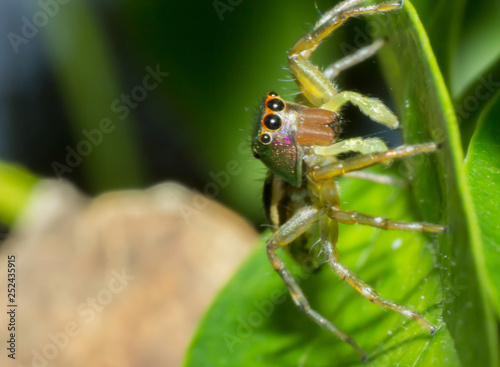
67, 67
78, 100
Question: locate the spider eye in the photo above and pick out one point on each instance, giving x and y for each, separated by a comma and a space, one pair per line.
265, 139
275, 104
272, 122
272, 94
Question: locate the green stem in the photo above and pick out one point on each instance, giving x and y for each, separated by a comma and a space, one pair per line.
16, 184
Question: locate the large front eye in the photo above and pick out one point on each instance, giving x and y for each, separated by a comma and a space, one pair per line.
272, 122
275, 105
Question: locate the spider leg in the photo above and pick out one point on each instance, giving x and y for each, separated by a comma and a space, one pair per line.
292, 229
333, 70
374, 108
360, 145
316, 87
346, 4
331, 170
328, 197
353, 280
350, 217
363, 146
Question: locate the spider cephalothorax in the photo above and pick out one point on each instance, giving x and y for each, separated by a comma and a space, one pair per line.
285, 129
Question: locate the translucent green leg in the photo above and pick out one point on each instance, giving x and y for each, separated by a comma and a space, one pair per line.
339, 8
329, 171
332, 71
350, 217
363, 146
292, 229
353, 280
372, 107
313, 83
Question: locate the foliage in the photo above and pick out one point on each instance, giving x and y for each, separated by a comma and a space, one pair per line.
253, 321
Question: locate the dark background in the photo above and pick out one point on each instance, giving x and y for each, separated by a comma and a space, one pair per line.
58, 80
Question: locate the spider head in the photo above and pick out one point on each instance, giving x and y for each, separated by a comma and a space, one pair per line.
284, 129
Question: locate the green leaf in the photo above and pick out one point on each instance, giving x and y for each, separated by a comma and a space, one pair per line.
442, 21
477, 47
426, 109
483, 174
254, 322
472, 102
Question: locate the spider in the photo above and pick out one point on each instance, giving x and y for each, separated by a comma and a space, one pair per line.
300, 146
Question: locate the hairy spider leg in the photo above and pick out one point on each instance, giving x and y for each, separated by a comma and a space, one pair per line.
292, 229
333, 70
350, 217
374, 108
316, 87
331, 170
379, 151
360, 145
328, 196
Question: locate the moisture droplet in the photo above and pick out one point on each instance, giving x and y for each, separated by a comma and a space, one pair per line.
396, 244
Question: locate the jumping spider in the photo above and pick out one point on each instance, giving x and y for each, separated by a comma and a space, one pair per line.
299, 144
